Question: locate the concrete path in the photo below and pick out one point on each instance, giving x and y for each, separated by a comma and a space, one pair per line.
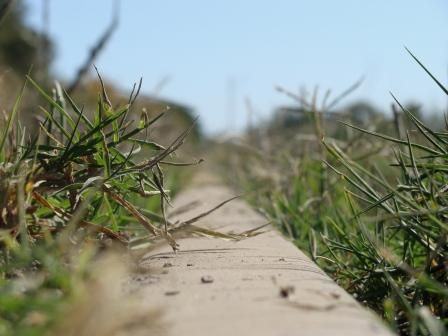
258, 286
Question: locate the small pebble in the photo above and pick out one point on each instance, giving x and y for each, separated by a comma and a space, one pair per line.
189, 265
207, 279
171, 293
335, 295
167, 265
286, 291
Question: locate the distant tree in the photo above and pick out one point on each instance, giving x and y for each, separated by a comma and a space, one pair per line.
5, 5
19, 44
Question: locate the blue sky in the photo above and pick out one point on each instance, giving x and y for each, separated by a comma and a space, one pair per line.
213, 54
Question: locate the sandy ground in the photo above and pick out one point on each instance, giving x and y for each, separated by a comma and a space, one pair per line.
258, 286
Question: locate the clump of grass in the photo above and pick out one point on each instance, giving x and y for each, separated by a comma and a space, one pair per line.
82, 168
373, 217
81, 185
398, 259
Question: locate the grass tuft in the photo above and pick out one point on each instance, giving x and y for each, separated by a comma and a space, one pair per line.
370, 207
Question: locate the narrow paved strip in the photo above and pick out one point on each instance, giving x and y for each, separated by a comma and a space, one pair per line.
257, 286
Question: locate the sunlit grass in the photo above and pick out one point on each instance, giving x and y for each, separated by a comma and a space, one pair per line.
370, 209
83, 184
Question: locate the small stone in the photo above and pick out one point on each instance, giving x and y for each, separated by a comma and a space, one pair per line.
335, 295
286, 291
172, 293
189, 265
167, 265
207, 279
282, 259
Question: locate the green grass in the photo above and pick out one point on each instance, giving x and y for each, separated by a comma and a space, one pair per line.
369, 208
89, 181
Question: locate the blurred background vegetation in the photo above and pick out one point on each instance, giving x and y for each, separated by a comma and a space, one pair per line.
360, 189
24, 50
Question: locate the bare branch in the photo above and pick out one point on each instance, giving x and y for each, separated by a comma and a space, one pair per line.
96, 50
